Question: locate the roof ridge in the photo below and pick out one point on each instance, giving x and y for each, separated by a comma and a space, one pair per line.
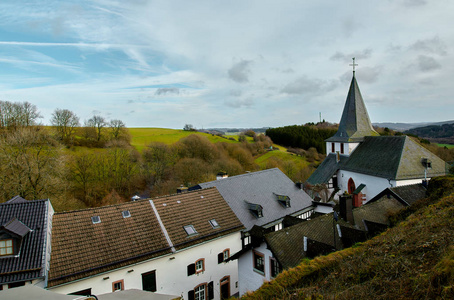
240, 175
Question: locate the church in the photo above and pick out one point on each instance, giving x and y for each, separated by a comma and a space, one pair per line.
362, 163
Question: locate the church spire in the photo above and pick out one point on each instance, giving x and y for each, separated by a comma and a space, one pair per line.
355, 123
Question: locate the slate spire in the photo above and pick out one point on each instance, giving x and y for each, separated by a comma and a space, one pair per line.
355, 123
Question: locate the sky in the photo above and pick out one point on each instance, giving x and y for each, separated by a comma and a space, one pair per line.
229, 64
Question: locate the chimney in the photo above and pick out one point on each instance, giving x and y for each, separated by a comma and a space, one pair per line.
221, 175
182, 189
346, 208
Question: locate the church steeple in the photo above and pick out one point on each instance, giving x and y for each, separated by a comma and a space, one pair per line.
355, 123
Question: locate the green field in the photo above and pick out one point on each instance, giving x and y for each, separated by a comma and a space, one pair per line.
140, 137
449, 146
282, 155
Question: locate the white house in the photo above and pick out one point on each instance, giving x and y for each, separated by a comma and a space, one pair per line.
25, 242
262, 201
175, 245
362, 163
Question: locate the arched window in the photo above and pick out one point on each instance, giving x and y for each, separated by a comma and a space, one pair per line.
351, 186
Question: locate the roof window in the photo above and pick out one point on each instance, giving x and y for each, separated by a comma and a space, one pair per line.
255, 209
214, 223
126, 214
283, 200
96, 219
190, 230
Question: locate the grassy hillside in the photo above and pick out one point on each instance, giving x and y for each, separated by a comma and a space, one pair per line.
414, 260
140, 137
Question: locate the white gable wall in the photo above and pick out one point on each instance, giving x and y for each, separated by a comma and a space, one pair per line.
171, 271
374, 185
250, 280
348, 148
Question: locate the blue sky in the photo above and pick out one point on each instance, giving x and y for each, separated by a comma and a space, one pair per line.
228, 63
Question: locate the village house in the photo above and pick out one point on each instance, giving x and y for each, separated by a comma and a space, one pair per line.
262, 201
25, 242
362, 163
174, 245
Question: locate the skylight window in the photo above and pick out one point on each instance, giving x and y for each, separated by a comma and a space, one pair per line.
96, 219
214, 223
126, 214
190, 230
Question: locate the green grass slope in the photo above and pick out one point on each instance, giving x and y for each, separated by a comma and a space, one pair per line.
140, 137
414, 260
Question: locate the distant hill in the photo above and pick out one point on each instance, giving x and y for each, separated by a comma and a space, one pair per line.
442, 134
407, 126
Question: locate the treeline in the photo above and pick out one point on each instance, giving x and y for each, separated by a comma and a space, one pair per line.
302, 136
435, 133
38, 162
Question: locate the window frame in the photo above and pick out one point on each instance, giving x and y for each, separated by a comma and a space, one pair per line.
261, 256
205, 291
274, 266
6, 247
190, 227
122, 282
228, 254
198, 270
214, 223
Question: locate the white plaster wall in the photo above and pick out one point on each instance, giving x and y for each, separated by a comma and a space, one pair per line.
408, 182
250, 280
348, 148
171, 271
374, 185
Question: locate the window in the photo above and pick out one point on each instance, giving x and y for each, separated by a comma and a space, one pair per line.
126, 214
246, 240
342, 148
275, 268
255, 209
283, 200
200, 265
223, 256
214, 223
118, 285
96, 219
6, 247
332, 147
190, 230
16, 284
200, 292
149, 281
278, 227
259, 263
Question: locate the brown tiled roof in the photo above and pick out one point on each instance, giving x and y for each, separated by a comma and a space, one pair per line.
196, 208
118, 242
113, 243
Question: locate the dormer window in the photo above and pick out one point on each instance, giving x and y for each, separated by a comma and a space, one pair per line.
283, 200
214, 223
255, 209
190, 230
96, 219
426, 163
6, 247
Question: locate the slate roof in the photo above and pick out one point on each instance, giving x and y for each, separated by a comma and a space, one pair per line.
393, 157
260, 188
29, 264
117, 241
327, 169
355, 123
287, 244
406, 194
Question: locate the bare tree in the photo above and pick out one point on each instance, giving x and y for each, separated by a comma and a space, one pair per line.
118, 129
157, 159
14, 115
65, 122
98, 123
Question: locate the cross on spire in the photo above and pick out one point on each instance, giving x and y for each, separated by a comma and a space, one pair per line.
353, 65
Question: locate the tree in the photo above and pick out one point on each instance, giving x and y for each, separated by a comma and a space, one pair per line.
14, 115
97, 123
65, 122
118, 130
31, 164
157, 159
188, 127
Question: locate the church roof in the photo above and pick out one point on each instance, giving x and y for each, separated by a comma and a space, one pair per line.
355, 123
327, 169
394, 158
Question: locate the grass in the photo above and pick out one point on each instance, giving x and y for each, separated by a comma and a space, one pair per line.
449, 146
414, 260
281, 155
140, 137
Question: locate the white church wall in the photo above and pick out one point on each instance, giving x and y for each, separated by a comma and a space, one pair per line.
374, 185
171, 271
250, 279
348, 148
408, 182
